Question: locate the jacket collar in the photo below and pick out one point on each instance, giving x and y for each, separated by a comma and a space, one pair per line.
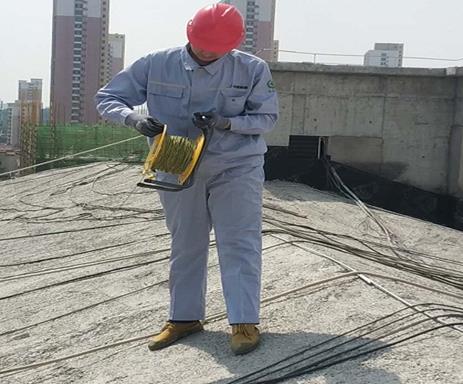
190, 64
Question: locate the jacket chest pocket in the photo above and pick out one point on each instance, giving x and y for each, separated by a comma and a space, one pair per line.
167, 99
232, 102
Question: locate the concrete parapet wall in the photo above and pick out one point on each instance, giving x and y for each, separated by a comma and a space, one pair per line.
456, 143
403, 123
9, 161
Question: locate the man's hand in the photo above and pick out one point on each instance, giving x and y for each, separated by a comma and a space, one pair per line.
146, 125
211, 119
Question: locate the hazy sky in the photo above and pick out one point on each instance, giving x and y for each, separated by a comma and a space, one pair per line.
431, 28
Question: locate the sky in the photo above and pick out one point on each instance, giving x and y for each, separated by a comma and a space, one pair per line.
428, 28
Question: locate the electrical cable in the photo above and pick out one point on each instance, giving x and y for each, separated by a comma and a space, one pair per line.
68, 267
364, 278
92, 250
212, 318
69, 231
90, 276
363, 55
175, 154
318, 364
443, 275
88, 207
75, 266
305, 234
364, 242
56, 172
69, 156
212, 244
359, 332
216, 317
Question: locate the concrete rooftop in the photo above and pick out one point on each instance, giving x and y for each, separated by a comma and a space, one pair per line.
83, 271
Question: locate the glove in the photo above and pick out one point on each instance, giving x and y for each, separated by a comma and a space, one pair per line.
211, 119
146, 125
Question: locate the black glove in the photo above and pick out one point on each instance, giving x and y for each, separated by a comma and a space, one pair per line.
146, 125
211, 119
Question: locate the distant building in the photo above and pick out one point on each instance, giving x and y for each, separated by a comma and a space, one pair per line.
392, 47
30, 101
45, 116
79, 59
260, 23
30, 116
2, 125
10, 124
385, 55
116, 54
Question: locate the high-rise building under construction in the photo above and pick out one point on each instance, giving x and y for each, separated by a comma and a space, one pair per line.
116, 54
259, 18
30, 101
30, 116
80, 59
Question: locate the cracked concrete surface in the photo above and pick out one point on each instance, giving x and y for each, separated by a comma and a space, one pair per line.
84, 263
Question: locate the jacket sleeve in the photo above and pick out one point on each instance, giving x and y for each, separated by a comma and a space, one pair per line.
115, 101
261, 112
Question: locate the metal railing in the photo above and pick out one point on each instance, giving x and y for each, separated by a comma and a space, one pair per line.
317, 57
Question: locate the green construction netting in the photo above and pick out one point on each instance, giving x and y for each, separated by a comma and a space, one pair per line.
56, 142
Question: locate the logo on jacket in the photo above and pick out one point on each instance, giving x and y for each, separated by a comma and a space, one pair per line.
271, 86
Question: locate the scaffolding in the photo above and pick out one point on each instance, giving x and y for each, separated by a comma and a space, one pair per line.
28, 146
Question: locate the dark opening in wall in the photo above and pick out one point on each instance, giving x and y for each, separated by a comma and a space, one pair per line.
301, 162
304, 147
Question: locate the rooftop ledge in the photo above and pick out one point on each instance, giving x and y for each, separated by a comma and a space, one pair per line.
365, 70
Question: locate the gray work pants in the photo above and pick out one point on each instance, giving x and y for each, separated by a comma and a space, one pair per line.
231, 203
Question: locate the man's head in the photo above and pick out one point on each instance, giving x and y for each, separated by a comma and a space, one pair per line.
215, 30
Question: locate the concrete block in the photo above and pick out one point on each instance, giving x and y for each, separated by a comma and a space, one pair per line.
455, 179
338, 85
280, 134
416, 135
298, 115
363, 153
459, 102
9, 161
284, 81
325, 115
431, 87
349, 116
409, 117
420, 163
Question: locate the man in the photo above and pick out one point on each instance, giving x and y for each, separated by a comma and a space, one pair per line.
207, 83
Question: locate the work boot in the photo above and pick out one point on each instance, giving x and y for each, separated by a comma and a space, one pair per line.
171, 332
245, 338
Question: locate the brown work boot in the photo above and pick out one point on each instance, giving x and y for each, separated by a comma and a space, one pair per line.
171, 332
245, 338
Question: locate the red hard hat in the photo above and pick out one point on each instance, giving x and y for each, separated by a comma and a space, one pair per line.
216, 28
